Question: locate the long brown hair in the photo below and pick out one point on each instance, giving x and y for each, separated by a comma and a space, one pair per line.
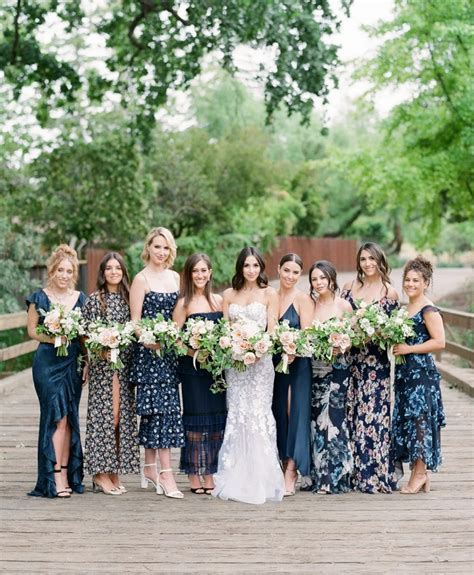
380, 259
187, 288
238, 280
124, 285
330, 274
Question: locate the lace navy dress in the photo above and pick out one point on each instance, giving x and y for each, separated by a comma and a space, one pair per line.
331, 455
293, 429
58, 386
204, 414
418, 414
161, 426
368, 413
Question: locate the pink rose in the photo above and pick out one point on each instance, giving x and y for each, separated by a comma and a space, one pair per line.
249, 358
290, 348
225, 342
286, 337
261, 347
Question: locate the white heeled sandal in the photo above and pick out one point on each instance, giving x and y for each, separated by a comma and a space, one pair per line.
176, 494
145, 480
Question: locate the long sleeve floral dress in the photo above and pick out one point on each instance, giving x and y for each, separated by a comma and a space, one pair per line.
105, 450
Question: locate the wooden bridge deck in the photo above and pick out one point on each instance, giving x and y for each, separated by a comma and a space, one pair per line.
144, 533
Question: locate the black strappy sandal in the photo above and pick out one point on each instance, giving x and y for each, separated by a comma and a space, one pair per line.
198, 490
68, 489
208, 490
64, 494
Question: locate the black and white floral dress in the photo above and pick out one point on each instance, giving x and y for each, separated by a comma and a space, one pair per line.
106, 451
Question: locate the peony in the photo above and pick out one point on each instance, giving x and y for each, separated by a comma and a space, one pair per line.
225, 342
287, 337
52, 320
261, 347
109, 337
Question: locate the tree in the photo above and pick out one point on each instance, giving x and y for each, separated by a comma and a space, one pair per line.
158, 45
85, 191
424, 164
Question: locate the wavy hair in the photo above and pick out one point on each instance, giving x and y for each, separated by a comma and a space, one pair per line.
63, 252
238, 280
168, 236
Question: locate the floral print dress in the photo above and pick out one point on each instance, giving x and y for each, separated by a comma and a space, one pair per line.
368, 413
331, 456
418, 414
105, 450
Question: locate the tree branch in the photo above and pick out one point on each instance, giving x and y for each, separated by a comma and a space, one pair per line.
16, 36
441, 82
346, 223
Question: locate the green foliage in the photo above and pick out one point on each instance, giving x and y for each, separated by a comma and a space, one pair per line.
425, 162
19, 251
158, 46
88, 190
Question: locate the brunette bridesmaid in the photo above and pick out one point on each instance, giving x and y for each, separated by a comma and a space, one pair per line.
369, 387
204, 412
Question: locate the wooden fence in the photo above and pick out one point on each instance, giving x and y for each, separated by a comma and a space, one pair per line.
340, 252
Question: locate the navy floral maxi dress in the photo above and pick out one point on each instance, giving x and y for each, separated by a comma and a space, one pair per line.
418, 413
368, 413
161, 426
331, 456
58, 386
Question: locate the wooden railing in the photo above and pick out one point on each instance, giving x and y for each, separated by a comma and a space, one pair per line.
12, 321
452, 318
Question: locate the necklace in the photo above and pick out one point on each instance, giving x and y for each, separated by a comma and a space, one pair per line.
60, 299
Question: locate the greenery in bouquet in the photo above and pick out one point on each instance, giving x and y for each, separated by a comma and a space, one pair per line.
330, 338
164, 332
366, 323
109, 337
287, 340
397, 328
61, 323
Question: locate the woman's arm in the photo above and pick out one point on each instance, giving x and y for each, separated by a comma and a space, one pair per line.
226, 301
32, 324
179, 313
137, 295
435, 327
273, 306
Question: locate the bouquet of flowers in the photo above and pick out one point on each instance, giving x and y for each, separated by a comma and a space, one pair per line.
287, 341
113, 337
397, 328
330, 338
162, 331
59, 323
211, 342
247, 342
367, 323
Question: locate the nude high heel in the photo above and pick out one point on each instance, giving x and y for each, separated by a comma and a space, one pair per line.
145, 480
423, 485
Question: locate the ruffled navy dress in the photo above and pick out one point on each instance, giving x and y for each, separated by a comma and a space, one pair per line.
293, 430
418, 414
204, 414
58, 386
161, 426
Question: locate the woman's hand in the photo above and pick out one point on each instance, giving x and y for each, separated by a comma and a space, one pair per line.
105, 355
291, 359
155, 346
401, 349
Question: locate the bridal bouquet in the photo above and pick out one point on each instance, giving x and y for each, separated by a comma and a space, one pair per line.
330, 338
247, 342
397, 328
59, 323
113, 337
367, 323
162, 331
211, 342
287, 341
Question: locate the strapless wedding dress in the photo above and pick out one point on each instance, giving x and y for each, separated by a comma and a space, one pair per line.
249, 470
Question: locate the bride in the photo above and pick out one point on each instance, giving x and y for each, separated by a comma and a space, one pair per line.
249, 470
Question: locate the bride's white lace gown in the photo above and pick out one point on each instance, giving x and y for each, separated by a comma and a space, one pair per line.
249, 470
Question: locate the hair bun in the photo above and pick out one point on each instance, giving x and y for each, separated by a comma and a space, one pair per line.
65, 251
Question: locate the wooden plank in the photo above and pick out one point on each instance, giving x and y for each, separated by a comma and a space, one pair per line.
18, 349
460, 350
458, 318
141, 532
13, 320
462, 378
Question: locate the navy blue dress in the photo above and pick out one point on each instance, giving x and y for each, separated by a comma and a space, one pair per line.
293, 431
331, 455
368, 414
58, 386
204, 414
418, 414
161, 426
